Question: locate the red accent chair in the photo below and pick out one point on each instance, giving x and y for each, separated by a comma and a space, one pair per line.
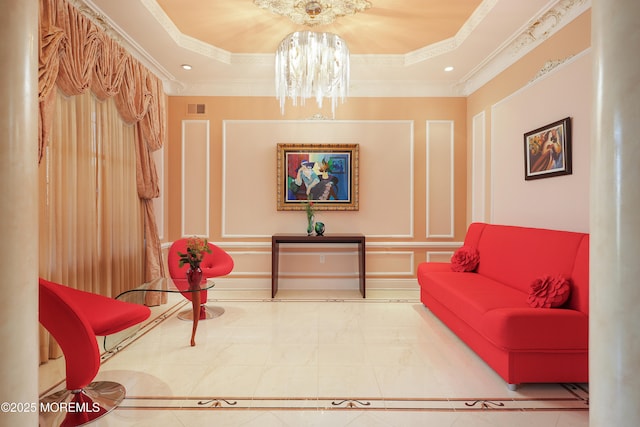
74, 318
216, 264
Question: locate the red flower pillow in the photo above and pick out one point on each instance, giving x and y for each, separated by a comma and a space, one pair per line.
465, 259
549, 291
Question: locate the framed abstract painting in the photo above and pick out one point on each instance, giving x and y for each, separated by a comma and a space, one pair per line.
327, 174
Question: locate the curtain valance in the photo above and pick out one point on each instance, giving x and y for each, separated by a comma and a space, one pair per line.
77, 55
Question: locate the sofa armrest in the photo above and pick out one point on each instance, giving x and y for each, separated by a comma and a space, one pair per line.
431, 267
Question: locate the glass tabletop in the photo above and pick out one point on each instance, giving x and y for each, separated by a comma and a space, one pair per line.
151, 294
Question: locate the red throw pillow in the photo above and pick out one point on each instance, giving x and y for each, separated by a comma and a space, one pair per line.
465, 259
549, 291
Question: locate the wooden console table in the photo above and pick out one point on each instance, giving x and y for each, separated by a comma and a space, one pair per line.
277, 239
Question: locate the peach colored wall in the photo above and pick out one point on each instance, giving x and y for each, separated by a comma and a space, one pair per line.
359, 116
572, 40
560, 202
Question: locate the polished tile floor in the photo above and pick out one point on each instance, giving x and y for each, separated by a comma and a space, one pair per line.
316, 359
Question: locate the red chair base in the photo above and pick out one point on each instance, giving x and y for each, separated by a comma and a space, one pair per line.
75, 408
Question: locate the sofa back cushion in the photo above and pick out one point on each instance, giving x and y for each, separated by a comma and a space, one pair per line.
516, 256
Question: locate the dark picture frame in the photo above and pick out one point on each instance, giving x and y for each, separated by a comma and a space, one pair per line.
547, 150
324, 173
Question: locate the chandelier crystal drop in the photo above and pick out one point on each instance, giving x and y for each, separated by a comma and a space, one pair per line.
312, 12
312, 65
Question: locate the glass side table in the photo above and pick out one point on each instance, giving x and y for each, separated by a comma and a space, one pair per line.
154, 293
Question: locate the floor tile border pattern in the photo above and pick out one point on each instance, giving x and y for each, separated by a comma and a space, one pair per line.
579, 401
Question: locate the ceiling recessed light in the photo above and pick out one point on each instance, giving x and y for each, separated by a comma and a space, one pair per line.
186, 66
449, 68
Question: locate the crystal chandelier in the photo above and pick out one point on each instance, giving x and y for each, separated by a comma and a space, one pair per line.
312, 65
310, 13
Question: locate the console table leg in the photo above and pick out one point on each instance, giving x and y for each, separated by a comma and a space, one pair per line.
363, 270
275, 248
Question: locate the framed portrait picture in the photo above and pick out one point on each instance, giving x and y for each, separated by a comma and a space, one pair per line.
547, 150
324, 173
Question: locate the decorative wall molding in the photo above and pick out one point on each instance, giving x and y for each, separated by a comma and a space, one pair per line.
319, 116
550, 66
547, 24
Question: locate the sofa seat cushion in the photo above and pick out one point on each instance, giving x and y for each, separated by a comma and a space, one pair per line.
502, 314
471, 295
536, 329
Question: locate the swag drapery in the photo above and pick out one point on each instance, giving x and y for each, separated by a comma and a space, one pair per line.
75, 56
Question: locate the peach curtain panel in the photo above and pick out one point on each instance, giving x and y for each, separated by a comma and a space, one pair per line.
91, 218
77, 56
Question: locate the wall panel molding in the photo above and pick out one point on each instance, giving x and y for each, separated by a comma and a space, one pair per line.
195, 178
478, 168
243, 284
390, 263
250, 178
440, 179
230, 245
438, 256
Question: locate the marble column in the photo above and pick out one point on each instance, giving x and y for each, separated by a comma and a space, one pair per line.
615, 216
19, 211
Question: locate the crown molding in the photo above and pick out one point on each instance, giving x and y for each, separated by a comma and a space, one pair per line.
454, 42
182, 40
547, 22
539, 29
99, 18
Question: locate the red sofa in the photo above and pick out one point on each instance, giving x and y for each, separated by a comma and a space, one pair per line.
488, 308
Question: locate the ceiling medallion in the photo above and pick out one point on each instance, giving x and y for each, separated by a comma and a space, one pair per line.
310, 12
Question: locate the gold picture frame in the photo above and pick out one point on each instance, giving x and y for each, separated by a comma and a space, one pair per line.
327, 174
